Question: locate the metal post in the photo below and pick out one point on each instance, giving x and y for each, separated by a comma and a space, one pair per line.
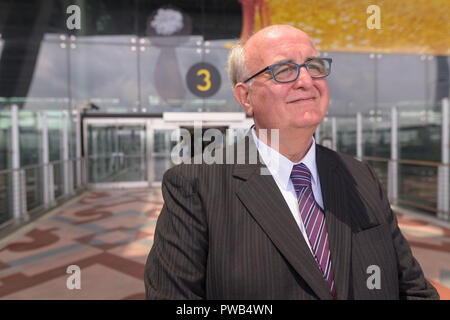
23, 196
95, 156
65, 153
15, 150
393, 164
443, 170
149, 132
142, 157
51, 186
45, 177
334, 133
359, 149
78, 146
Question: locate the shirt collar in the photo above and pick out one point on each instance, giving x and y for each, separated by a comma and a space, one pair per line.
281, 169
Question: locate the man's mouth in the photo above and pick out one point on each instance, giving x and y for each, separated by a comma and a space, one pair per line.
302, 100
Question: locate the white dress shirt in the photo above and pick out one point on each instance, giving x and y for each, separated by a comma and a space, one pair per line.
281, 167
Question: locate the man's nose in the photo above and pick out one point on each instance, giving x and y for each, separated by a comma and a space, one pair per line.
304, 79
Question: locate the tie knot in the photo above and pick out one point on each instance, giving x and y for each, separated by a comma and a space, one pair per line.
300, 176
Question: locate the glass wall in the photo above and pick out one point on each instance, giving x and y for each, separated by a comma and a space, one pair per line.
5, 139
351, 82
346, 134
126, 58
5, 160
152, 56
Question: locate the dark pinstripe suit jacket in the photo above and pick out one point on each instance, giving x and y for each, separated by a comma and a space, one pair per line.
226, 232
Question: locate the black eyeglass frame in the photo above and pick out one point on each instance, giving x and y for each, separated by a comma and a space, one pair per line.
271, 67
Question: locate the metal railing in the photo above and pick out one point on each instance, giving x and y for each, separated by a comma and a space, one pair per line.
422, 185
31, 190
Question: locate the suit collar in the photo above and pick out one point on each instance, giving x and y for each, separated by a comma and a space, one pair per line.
333, 178
245, 149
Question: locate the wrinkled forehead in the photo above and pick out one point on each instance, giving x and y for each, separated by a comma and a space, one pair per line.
274, 45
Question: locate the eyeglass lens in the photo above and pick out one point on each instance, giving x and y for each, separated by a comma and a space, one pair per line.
317, 68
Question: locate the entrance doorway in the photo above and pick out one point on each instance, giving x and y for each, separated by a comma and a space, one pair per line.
125, 152
116, 153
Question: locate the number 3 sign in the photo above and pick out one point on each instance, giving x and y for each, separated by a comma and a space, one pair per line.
203, 79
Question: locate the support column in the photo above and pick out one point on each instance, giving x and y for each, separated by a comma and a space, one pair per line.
44, 151
94, 157
15, 157
65, 154
143, 159
78, 151
359, 149
393, 164
443, 170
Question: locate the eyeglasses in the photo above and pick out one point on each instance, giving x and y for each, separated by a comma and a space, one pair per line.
288, 71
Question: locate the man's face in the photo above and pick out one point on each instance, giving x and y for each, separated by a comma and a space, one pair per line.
299, 104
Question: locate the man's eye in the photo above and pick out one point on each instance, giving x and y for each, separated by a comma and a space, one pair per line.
316, 66
281, 70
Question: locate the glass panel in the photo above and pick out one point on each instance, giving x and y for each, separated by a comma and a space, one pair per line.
34, 190
131, 156
74, 168
352, 83
54, 127
166, 63
418, 186
346, 135
48, 87
29, 138
401, 80
162, 147
117, 153
58, 179
104, 74
377, 134
419, 136
381, 171
100, 147
216, 54
325, 133
6, 197
5, 140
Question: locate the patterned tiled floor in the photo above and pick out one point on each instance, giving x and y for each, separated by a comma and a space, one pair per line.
108, 235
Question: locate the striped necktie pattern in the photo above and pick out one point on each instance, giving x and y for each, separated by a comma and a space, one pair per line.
314, 221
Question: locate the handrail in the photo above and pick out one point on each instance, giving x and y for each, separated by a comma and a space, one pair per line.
414, 204
381, 159
413, 162
34, 166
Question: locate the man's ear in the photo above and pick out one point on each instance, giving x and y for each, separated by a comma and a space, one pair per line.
241, 94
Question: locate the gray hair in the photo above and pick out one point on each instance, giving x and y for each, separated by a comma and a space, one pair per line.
237, 68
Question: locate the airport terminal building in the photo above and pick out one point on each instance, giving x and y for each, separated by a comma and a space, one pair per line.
93, 94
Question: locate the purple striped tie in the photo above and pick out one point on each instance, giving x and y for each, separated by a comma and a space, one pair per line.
314, 221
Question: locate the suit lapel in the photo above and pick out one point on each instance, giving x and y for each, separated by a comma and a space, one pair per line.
262, 198
334, 193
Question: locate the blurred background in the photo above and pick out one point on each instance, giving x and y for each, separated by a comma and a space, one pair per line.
93, 92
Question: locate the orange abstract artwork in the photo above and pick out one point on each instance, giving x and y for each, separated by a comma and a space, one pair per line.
405, 26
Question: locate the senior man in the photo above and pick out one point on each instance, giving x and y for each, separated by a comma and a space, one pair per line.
319, 226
